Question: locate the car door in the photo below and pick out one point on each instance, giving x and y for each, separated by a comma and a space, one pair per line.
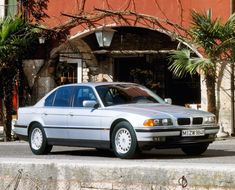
56, 111
84, 122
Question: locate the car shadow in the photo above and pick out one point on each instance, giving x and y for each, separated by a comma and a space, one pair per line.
85, 152
172, 154
178, 154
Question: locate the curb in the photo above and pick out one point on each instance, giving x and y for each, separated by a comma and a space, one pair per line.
63, 174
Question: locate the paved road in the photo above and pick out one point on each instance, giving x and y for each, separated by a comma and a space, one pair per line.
222, 151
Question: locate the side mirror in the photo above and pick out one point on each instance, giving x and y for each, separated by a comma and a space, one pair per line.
168, 100
90, 104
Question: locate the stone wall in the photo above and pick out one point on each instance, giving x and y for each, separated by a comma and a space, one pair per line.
223, 96
42, 174
223, 93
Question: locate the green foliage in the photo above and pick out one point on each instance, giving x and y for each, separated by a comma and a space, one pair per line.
216, 42
180, 60
226, 48
206, 32
184, 64
214, 39
229, 28
17, 40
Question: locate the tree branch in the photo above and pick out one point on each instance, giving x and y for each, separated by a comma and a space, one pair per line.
99, 14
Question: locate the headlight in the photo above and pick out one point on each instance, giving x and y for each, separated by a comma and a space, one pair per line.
158, 122
209, 120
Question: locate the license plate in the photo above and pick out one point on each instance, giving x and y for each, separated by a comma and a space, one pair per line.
193, 132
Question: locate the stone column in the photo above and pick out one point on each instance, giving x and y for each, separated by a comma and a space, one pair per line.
44, 83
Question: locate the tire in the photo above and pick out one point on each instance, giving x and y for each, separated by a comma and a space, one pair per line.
124, 141
37, 140
194, 150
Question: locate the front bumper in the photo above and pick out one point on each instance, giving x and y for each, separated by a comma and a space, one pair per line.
171, 137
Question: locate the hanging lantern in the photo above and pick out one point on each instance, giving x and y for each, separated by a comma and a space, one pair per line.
104, 36
41, 39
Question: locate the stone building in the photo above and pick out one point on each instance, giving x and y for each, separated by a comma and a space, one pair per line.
126, 40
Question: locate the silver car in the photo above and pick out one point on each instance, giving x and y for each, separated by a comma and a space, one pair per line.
123, 117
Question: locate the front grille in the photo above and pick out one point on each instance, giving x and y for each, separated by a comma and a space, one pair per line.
183, 121
197, 120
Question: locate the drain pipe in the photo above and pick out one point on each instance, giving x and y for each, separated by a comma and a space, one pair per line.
232, 10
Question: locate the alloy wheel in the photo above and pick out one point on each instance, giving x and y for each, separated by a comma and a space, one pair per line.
123, 141
36, 139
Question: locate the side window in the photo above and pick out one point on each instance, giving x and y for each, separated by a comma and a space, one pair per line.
83, 93
111, 96
63, 96
50, 99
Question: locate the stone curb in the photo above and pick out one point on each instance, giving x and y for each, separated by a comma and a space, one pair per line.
64, 174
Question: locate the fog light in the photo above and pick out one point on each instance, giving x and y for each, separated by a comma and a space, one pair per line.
159, 139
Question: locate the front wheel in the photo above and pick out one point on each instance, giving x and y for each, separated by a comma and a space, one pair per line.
38, 141
124, 141
194, 150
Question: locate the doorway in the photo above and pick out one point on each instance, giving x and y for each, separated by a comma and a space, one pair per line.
124, 66
152, 72
141, 70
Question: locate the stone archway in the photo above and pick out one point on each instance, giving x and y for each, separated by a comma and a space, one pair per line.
142, 52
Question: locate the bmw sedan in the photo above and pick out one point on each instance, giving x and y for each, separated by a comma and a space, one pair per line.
123, 117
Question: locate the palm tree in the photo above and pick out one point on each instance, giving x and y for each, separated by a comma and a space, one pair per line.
16, 42
214, 40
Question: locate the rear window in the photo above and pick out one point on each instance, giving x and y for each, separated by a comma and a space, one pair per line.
60, 98
50, 99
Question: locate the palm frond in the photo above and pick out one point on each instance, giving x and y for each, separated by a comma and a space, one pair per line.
17, 39
183, 64
229, 27
205, 31
201, 64
226, 46
180, 60
10, 26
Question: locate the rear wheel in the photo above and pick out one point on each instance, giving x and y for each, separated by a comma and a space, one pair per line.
38, 141
124, 141
194, 150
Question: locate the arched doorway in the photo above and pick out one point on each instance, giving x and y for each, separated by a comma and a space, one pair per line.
141, 55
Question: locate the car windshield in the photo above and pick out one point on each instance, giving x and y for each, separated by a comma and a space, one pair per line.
126, 94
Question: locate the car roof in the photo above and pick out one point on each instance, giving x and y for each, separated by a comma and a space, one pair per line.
91, 84
94, 84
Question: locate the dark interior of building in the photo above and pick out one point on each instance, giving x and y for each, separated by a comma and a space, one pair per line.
157, 77
141, 56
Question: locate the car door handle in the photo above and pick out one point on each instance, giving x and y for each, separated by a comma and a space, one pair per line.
45, 113
71, 115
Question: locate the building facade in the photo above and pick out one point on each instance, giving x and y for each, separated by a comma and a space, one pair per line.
9, 7
126, 40
2, 8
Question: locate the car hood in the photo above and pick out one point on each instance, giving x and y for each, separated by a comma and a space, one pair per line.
159, 110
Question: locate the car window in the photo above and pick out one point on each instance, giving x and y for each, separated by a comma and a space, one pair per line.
126, 94
83, 93
50, 99
63, 96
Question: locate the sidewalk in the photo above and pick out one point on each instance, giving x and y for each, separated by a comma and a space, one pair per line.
114, 174
62, 175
